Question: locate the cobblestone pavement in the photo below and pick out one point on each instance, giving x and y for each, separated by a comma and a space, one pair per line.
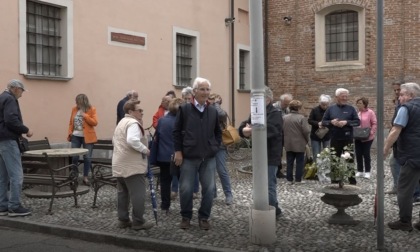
302, 227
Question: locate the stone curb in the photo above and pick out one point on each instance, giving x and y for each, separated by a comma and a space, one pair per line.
134, 242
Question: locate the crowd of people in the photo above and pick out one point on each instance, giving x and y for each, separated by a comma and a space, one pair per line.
190, 152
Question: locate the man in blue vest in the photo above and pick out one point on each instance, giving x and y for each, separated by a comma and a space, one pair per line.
406, 132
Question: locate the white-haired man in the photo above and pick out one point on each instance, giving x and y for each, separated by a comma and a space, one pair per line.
340, 118
406, 132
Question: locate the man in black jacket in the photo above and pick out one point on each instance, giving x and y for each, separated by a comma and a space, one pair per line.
340, 118
197, 137
274, 145
11, 128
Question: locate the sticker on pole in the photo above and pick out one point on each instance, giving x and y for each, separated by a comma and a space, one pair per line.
257, 109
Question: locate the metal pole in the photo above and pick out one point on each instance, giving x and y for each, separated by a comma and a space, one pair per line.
262, 224
380, 131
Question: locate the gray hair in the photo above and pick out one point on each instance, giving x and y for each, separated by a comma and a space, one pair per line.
131, 92
341, 91
324, 98
186, 91
286, 95
268, 93
412, 88
199, 81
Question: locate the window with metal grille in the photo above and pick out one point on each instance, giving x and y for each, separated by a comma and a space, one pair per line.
342, 36
184, 60
43, 39
242, 69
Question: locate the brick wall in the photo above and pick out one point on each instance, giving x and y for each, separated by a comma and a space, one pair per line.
297, 40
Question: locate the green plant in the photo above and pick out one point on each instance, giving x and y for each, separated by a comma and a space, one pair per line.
331, 167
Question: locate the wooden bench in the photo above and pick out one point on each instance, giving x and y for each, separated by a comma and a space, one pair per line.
42, 171
102, 168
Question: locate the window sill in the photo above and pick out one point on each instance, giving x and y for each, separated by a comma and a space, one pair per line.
244, 90
43, 77
340, 67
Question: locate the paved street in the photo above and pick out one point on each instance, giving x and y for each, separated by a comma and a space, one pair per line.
303, 226
14, 240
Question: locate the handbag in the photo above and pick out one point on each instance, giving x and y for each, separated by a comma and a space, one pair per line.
321, 132
230, 134
23, 144
361, 133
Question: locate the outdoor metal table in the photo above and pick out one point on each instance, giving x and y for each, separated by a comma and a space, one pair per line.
60, 157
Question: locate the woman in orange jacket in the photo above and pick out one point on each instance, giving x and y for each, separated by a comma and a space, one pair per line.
81, 132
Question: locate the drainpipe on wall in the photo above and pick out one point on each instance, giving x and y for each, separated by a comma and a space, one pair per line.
266, 42
232, 60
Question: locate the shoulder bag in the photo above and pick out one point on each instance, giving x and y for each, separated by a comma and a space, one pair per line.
230, 134
321, 132
361, 133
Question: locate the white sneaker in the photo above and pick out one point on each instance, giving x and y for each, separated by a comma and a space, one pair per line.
359, 174
367, 175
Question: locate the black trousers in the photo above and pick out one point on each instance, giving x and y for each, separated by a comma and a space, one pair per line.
165, 185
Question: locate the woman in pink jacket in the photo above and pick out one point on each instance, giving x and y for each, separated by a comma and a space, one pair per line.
362, 147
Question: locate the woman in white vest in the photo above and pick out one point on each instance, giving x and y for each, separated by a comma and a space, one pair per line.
129, 165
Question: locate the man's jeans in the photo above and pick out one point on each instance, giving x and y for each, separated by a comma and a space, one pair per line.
206, 170
10, 172
318, 146
175, 184
78, 142
272, 186
223, 172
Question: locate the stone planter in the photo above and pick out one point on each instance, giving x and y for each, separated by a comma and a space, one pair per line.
341, 198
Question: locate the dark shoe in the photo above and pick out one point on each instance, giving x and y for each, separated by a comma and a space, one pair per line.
278, 213
352, 181
417, 225
399, 225
280, 175
229, 200
144, 226
20, 211
86, 182
416, 201
4, 212
185, 223
124, 224
204, 224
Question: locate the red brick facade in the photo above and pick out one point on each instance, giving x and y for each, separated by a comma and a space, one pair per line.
297, 40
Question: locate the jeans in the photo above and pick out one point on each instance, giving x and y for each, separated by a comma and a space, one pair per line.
272, 186
395, 170
300, 160
363, 154
318, 146
132, 189
175, 183
223, 172
78, 142
11, 172
407, 182
206, 169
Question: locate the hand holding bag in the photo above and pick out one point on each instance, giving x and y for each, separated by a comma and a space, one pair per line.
230, 134
361, 133
321, 132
